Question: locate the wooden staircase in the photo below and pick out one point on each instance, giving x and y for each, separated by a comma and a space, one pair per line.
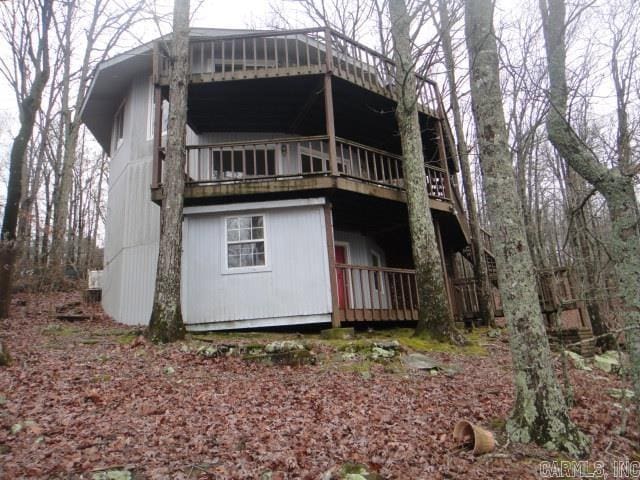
578, 340
555, 295
489, 257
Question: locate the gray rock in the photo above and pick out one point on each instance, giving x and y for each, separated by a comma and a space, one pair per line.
577, 360
607, 362
213, 351
357, 471
388, 344
112, 475
620, 393
349, 356
418, 361
378, 352
283, 346
494, 333
291, 357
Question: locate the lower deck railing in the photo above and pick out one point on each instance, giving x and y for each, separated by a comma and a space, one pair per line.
554, 293
376, 293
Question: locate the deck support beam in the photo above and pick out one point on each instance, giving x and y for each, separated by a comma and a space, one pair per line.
331, 126
328, 107
331, 251
157, 120
442, 153
445, 273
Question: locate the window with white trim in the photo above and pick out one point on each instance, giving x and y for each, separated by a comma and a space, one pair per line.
245, 241
118, 126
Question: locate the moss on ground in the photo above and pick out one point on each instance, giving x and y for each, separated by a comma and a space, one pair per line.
60, 330
353, 346
232, 337
363, 340
126, 338
425, 343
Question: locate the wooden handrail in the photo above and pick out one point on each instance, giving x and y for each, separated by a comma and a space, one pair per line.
359, 63
376, 269
363, 47
371, 149
239, 143
257, 34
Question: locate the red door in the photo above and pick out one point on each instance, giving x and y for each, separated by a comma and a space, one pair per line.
341, 258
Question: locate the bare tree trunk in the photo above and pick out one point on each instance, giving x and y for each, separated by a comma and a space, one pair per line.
585, 260
70, 132
28, 109
540, 413
485, 301
31, 191
166, 317
96, 218
103, 32
44, 248
435, 316
616, 184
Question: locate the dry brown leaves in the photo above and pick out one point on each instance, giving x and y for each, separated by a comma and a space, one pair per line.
88, 402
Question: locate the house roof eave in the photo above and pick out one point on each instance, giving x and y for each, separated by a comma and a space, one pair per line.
114, 76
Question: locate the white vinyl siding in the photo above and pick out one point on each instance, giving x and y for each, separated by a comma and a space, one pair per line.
294, 288
133, 220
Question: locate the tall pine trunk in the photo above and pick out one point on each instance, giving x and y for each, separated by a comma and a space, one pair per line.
540, 413
166, 323
435, 316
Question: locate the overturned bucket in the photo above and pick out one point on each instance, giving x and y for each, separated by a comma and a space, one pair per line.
479, 439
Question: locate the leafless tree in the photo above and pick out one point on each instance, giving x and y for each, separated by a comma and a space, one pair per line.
166, 323
540, 412
27, 71
616, 183
106, 22
435, 316
30, 49
446, 20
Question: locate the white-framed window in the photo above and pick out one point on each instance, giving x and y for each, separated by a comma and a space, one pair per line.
245, 243
151, 112
118, 126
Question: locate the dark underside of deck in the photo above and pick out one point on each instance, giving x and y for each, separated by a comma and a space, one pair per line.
355, 202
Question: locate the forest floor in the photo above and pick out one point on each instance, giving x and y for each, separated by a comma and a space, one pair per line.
82, 399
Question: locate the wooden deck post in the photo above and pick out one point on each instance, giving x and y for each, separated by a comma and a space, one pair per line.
157, 120
331, 251
445, 274
328, 105
443, 160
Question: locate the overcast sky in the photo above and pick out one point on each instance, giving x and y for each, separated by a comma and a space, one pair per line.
212, 13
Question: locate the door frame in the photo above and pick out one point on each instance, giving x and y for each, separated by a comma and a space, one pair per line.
349, 304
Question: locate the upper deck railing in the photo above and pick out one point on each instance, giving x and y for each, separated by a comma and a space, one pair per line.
298, 52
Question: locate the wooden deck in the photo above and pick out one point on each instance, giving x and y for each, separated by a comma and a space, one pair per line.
554, 293
376, 294
301, 163
294, 53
